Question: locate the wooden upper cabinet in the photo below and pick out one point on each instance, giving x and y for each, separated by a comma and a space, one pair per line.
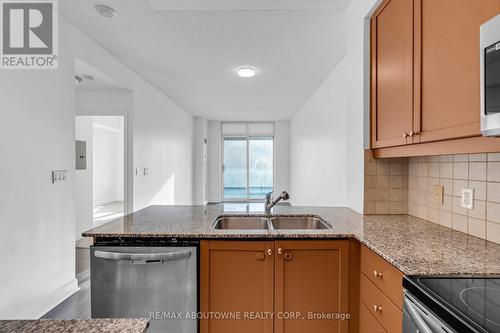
312, 276
237, 276
425, 71
392, 73
447, 67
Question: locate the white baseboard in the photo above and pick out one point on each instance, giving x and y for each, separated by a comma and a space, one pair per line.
83, 276
38, 309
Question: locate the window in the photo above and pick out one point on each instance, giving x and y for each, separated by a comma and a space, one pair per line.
247, 161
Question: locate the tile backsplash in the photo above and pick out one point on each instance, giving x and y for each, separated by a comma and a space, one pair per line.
386, 185
480, 172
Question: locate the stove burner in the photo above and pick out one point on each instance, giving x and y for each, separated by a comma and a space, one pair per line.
474, 297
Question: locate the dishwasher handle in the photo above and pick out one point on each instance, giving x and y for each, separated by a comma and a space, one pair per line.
143, 257
413, 312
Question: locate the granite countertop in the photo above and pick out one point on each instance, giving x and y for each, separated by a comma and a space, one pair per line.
74, 326
414, 246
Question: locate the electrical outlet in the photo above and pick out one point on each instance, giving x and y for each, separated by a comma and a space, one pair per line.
467, 198
437, 194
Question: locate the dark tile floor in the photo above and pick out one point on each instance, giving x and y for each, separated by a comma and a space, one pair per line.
77, 306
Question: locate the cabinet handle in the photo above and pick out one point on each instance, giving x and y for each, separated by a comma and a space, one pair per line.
412, 134
260, 256
288, 256
377, 308
405, 135
280, 251
270, 252
377, 275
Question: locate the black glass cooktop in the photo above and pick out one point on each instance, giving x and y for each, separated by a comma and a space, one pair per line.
475, 301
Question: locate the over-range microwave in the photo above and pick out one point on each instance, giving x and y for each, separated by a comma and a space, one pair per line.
490, 77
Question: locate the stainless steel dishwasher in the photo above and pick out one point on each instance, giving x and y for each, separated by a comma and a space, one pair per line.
159, 283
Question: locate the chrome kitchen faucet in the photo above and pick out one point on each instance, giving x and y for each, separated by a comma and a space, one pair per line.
271, 202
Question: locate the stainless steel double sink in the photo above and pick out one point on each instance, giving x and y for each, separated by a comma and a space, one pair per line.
290, 222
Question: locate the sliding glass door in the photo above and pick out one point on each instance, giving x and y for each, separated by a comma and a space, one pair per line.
247, 168
260, 167
235, 168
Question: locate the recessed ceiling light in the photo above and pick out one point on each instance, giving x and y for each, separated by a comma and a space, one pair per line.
106, 11
246, 72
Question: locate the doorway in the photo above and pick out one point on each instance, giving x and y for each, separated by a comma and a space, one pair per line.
101, 177
247, 167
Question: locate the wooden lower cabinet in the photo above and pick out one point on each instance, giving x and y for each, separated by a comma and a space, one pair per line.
381, 294
385, 276
311, 278
367, 322
278, 278
381, 307
236, 277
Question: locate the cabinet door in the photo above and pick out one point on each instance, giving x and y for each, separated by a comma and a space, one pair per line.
311, 277
392, 73
367, 322
447, 44
237, 277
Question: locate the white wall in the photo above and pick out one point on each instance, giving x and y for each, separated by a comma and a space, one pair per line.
318, 146
357, 66
214, 166
163, 142
37, 135
200, 190
282, 156
162, 131
323, 172
83, 178
108, 161
103, 100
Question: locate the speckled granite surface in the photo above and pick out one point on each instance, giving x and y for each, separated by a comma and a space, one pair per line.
74, 326
414, 246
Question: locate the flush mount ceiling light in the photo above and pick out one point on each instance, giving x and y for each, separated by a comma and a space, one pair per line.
246, 72
106, 11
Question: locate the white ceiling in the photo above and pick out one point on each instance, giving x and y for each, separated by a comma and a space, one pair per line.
247, 5
99, 81
191, 55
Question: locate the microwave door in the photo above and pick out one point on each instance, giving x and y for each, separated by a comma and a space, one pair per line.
492, 79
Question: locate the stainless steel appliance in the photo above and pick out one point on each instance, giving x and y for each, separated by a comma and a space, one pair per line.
490, 77
417, 318
451, 304
156, 282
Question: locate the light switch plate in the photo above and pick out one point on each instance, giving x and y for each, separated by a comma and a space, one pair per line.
146, 171
467, 198
437, 194
59, 176
138, 171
